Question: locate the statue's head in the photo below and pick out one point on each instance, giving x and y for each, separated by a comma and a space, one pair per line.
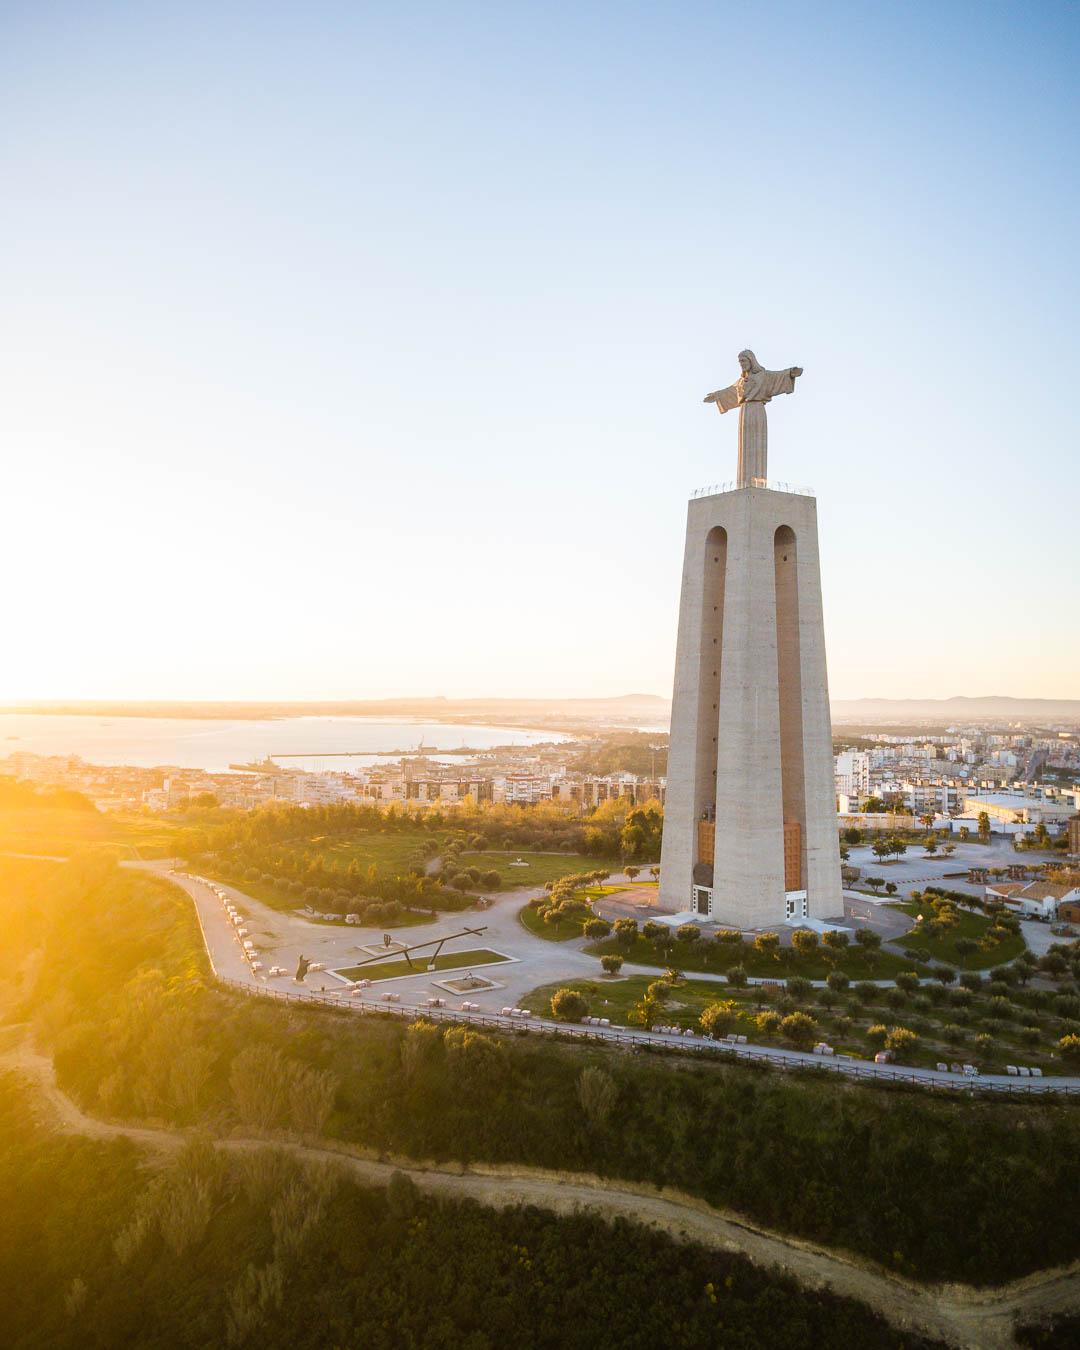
748, 362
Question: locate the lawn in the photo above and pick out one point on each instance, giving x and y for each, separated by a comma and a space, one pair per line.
392, 970
542, 867
564, 928
708, 954
615, 997
59, 832
946, 1032
561, 931
391, 854
973, 926
289, 904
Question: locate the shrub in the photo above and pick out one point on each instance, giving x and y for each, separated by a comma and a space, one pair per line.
865, 992
718, 1018
799, 988
597, 928
837, 981
731, 935
611, 964
737, 977
626, 931
768, 1022
1069, 1048
804, 942
798, 1028
768, 944
597, 1094
652, 930
1053, 963
901, 1041
688, 932
567, 1005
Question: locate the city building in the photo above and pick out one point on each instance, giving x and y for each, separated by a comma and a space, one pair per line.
1037, 899
1008, 808
851, 775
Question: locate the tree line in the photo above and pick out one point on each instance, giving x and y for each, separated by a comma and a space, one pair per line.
104, 1246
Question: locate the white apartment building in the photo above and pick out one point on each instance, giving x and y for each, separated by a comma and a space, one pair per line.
319, 789
527, 788
851, 774
940, 799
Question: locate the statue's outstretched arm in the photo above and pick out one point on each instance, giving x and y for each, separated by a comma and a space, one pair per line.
725, 399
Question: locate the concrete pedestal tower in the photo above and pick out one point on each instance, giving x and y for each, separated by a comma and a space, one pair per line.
750, 832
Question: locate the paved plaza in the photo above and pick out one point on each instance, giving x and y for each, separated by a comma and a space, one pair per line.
282, 937
917, 869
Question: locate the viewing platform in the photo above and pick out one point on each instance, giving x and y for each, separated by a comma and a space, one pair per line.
770, 484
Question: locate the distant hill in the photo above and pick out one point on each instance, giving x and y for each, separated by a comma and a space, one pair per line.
617, 710
623, 708
960, 708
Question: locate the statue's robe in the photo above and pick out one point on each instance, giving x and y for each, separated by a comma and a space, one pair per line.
749, 394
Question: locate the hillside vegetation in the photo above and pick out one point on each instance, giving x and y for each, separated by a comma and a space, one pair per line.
98, 1249
941, 1189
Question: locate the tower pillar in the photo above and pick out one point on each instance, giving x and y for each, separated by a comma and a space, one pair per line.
750, 819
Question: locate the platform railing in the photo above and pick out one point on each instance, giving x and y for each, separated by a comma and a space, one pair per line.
770, 484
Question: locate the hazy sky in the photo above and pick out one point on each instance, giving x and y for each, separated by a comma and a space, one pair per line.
358, 349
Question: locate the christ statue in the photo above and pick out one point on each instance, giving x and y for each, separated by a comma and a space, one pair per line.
750, 392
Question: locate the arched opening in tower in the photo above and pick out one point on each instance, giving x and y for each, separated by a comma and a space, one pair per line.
708, 722
789, 679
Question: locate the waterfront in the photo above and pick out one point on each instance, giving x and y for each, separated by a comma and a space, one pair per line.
311, 743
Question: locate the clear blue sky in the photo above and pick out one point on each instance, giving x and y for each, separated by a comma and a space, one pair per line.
358, 349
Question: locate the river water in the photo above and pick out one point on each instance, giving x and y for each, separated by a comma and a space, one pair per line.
214, 744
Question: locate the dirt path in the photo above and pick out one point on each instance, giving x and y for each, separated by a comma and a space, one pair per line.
979, 1319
